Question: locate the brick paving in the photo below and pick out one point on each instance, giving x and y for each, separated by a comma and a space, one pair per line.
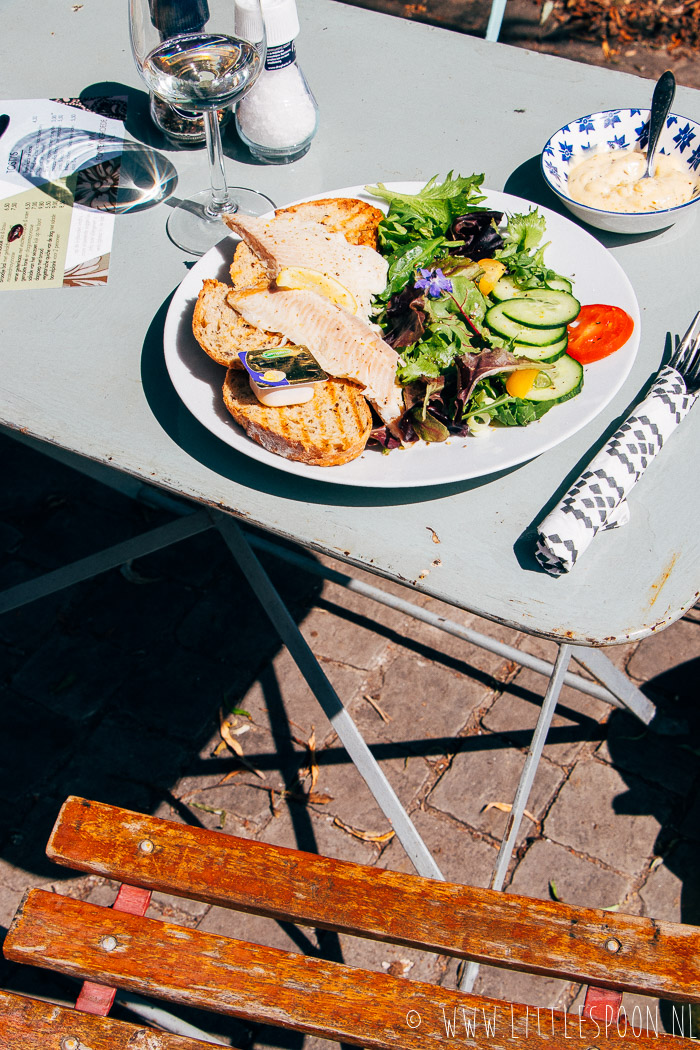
112, 689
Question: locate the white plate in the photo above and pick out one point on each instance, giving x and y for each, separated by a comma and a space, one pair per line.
573, 252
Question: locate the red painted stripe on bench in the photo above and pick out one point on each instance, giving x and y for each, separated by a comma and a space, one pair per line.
98, 999
601, 1004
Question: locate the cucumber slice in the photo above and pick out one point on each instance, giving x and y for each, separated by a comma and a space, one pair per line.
497, 320
547, 308
566, 376
560, 284
506, 287
551, 352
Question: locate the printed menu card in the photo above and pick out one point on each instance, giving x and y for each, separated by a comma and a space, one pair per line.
59, 177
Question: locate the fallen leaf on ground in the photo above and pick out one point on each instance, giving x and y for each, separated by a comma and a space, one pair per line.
374, 703
220, 813
313, 764
227, 735
365, 836
230, 776
132, 575
659, 23
306, 798
506, 807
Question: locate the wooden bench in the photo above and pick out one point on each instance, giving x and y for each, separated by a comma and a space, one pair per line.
118, 947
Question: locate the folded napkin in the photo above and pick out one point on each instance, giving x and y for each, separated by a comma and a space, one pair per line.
597, 501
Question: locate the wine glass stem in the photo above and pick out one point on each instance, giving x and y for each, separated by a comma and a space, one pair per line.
220, 201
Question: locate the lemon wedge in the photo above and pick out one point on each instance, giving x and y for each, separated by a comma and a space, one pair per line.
301, 278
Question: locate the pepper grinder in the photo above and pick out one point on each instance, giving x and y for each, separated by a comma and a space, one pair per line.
181, 128
278, 118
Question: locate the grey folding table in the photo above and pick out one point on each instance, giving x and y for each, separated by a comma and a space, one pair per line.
83, 375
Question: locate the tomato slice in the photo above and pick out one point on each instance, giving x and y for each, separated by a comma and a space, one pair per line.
597, 332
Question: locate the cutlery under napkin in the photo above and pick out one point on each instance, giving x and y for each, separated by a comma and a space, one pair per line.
597, 500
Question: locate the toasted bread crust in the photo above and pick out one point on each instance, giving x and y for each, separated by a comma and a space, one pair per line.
330, 430
221, 331
355, 219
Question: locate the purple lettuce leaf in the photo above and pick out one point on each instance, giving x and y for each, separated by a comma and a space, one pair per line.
479, 236
406, 317
472, 368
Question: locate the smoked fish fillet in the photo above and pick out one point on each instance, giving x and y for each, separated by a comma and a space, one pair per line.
288, 240
344, 345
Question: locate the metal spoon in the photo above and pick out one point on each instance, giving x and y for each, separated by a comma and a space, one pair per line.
661, 102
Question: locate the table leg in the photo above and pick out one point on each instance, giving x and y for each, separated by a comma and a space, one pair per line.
602, 668
110, 558
498, 9
441, 623
348, 733
522, 793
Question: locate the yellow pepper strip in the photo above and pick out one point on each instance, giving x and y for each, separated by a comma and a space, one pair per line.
493, 271
519, 384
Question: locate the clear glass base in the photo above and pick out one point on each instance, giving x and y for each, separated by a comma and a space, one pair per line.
190, 228
278, 156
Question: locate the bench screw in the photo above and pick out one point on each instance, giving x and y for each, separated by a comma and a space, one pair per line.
146, 846
613, 945
108, 943
69, 1042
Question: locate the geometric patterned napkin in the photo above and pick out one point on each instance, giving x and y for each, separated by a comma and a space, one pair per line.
597, 500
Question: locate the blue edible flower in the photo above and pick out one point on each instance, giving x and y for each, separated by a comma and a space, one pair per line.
434, 283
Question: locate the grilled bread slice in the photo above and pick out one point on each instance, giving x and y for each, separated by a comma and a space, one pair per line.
327, 431
334, 427
221, 331
355, 219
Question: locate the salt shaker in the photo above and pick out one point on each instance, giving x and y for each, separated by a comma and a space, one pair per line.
278, 117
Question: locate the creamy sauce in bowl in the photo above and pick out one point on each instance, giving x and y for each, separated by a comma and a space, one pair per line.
612, 181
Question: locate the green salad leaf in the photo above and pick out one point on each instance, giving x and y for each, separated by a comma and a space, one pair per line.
403, 264
417, 226
447, 334
521, 237
436, 205
433, 296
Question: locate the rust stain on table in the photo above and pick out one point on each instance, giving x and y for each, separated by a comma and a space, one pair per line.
661, 580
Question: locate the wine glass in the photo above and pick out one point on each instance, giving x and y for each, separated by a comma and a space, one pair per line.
202, 55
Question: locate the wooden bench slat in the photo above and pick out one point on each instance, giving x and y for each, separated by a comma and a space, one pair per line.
32, 1024
267, 985
96, 998
541, 937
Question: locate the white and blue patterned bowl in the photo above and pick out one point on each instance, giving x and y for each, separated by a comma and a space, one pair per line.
621, 129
